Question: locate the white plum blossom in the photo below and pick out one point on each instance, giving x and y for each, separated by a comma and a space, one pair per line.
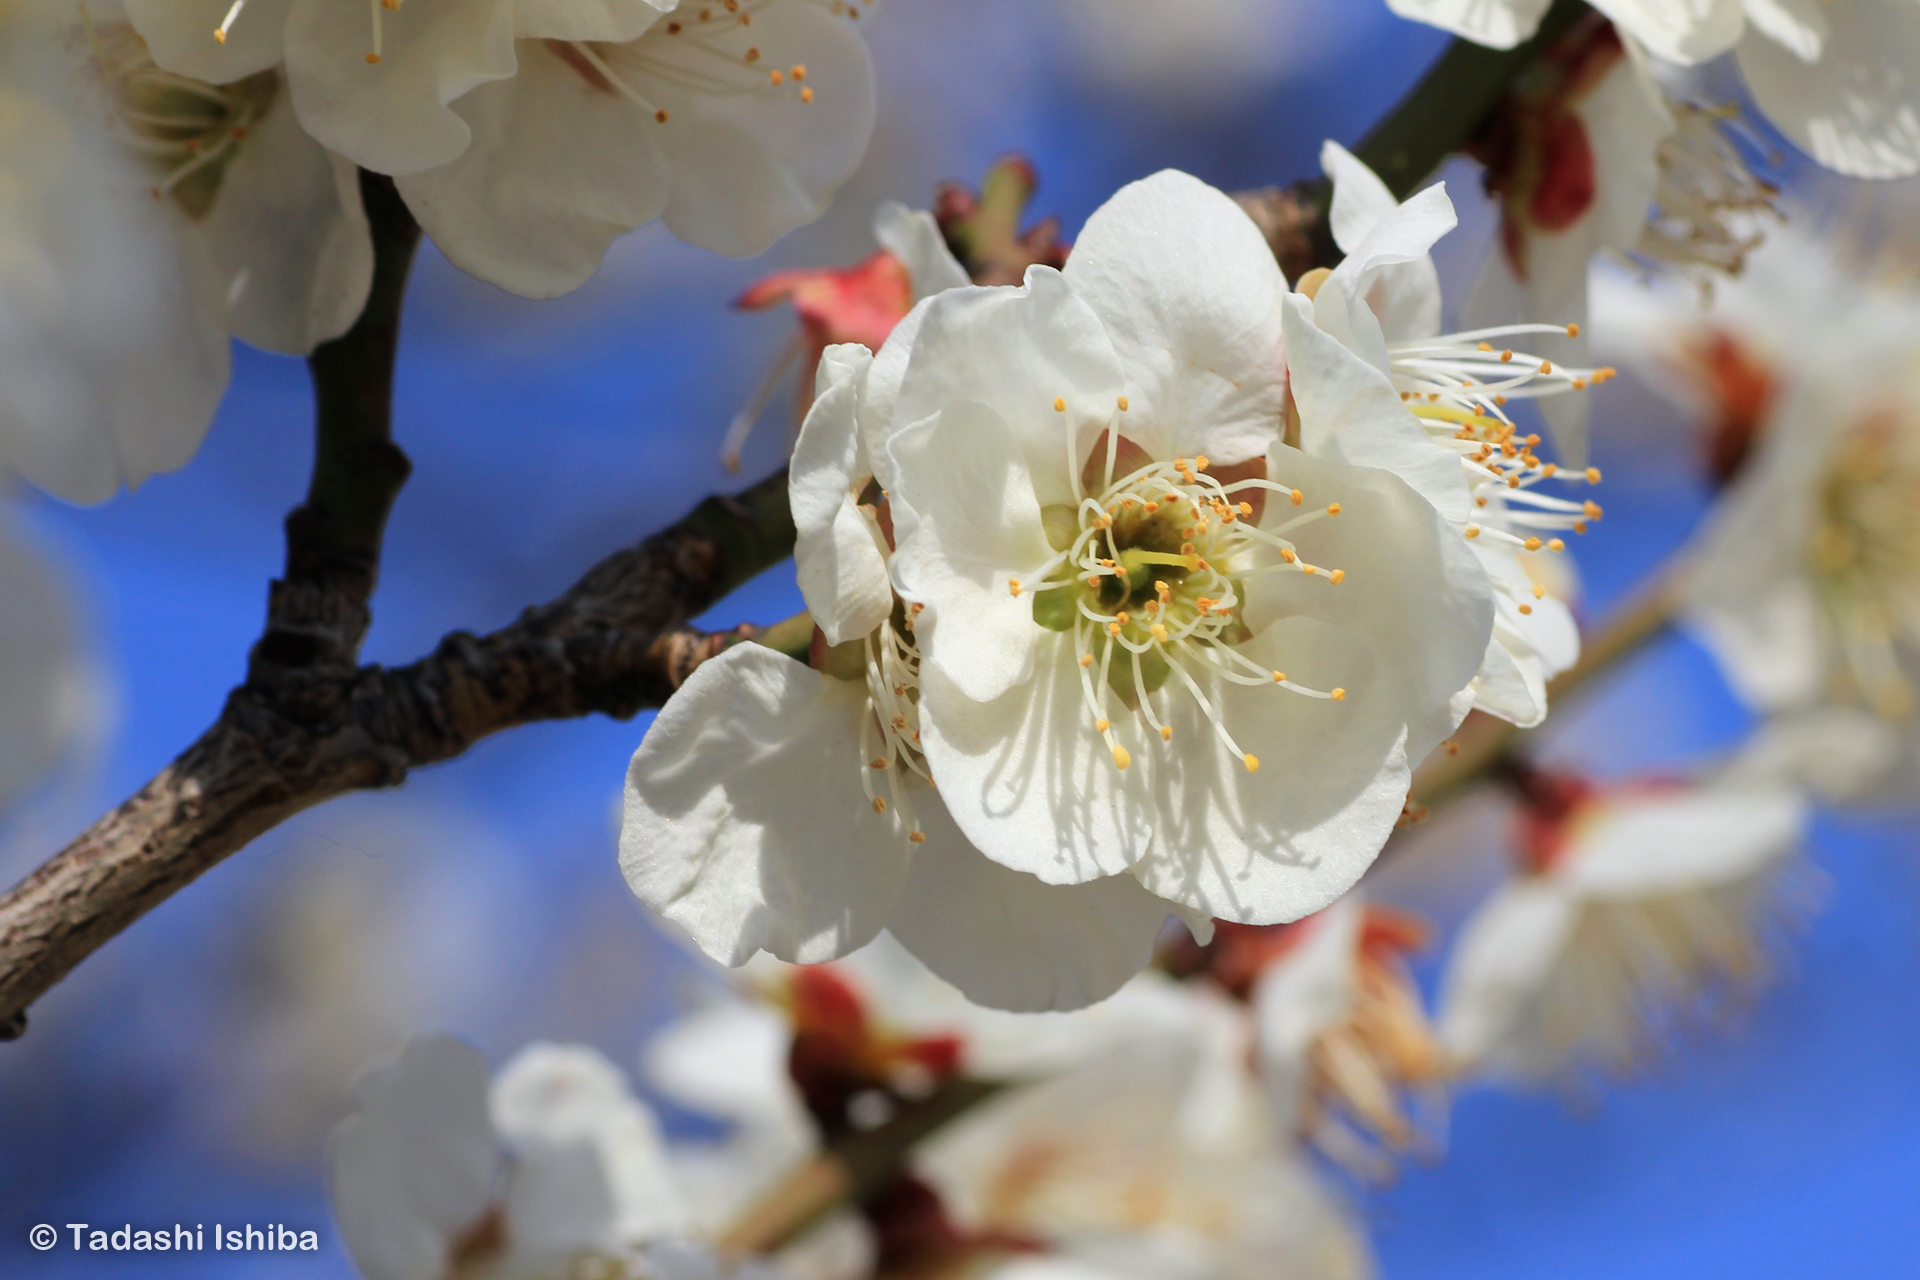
1373, 378
552, 1171
777, 806
527, 134
132, 251
1125, 603
1639, 906
1836, 76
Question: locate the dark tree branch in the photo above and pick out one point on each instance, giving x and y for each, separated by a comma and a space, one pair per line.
310, 723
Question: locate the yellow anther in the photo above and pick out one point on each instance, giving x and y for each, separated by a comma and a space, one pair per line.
1122, 618
1298, 497
1338, 695
1506, 355
1120, 757
1113, 628
1486, 346
1246, 508
373, 59
1122, 402
1166, 733
1159, 632
219, 36
1573, 331
1286, 553
1013, 586
1526, 608
1533, 544
1593, 475
1333, 508
1152, 507
1453, 748
1059, 404
1472, 531
753, 55
1279, 677
917, 609
1592, 509
1252, 762
1549, 469
799, 71
1086, 659
1200, 463
879, 805
1101, 726
660, 116
1554, 544
806, 93
775, 77
876, 763
1539, 592
1337, 575
913, 837
1546, 366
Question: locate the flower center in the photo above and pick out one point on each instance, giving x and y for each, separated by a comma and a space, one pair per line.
187, 130
1865, 560
1158, 564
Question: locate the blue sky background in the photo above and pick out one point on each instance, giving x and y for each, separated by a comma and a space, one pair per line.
188, 1072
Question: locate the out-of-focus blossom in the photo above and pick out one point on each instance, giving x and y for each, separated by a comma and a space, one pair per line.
732, 123
1202, 53
1574, 158
754, 728
1837, 77
1157, 1157
984, 227
49, 696
858, 304
554, 1171
1637, 907
131, 251
1375, 381
1350, 1059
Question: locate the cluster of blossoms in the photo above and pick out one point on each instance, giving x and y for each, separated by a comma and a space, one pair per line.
1140, 588
188, 171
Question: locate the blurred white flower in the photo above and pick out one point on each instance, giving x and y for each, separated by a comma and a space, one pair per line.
732, 122
1374, 380
1350, 1060
1202, 52
1835, 77
553, 1172
50, 700
129, 253
1638, 907
1156, 1159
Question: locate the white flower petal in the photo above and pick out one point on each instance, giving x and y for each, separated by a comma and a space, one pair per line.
975, 550
748, 167
521, 210
1189, 293
1009, 941
912, 236
416, 1162
1668, 844
1018, 351
598, 21
1349, 412
1498, 24
179, 35
1302, 995
1857, 110
394, 117
288, 236
590, 1168
1800, 25
840, 562
1414, 592
746, 824
1499, 965
1387, 289
1683, 31
1026, 778
1279, 844
1361, 201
